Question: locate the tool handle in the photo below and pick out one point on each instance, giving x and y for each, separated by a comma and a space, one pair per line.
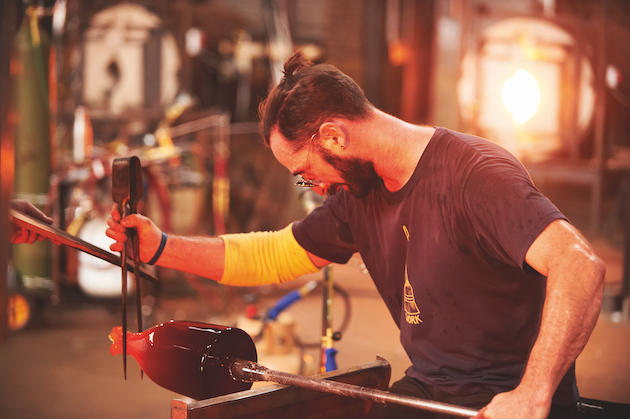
331, 361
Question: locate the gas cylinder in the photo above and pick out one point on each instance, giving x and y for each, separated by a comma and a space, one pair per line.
33, 169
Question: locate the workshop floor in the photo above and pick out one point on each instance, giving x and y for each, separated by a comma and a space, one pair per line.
62, 368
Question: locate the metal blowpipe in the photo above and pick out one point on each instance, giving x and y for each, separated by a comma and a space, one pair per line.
251, 371
63, 238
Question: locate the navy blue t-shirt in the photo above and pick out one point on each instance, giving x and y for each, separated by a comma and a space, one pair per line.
447, 255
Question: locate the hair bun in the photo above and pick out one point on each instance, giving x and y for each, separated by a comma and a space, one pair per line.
295, 63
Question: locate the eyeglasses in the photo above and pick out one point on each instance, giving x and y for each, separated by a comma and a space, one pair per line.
308, 183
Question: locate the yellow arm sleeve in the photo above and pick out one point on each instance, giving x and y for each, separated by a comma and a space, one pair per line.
260, 258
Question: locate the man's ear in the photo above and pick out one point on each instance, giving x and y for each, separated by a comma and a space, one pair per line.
332, 136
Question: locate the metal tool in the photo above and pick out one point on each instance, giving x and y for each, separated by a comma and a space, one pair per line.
63, 238
327, 351
127, 190
327, 361
251, 371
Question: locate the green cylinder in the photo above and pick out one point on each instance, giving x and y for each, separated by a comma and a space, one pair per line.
32, 148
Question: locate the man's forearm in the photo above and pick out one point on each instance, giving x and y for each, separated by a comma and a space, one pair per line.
575, 278
203, 256
572, 305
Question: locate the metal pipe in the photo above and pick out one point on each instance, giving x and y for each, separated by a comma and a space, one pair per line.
61, 237
251, 371
327, 324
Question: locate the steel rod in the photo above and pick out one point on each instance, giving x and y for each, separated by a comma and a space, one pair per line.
123, 255
327, 323
251, 371
61, 237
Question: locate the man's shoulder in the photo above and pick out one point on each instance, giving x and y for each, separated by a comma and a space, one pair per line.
481, 146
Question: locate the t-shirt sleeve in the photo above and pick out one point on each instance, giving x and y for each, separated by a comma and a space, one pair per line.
325, 233
506, 210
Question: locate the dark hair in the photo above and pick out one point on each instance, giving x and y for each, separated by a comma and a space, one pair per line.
307, 96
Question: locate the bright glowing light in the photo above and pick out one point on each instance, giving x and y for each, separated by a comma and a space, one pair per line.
521, 96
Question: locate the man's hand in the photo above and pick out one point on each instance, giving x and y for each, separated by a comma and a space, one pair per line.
21, 234
515, 404
148, 233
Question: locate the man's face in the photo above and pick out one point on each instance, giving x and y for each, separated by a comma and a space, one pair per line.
329, 171
358, 174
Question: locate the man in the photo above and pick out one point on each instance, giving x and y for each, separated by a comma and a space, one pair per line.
494, 292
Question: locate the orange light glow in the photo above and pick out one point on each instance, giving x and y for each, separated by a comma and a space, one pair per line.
521, 96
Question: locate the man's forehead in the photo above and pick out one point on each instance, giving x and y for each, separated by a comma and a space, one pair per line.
280, 142
283, 151
277, 140
274, 133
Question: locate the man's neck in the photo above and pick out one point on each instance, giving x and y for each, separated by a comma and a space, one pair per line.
396, 147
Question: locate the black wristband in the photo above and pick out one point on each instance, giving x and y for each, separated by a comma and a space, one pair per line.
158, 253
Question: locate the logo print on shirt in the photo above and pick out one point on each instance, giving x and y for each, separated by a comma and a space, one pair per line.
412, 312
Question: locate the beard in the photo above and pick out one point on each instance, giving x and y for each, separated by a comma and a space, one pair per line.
358, 175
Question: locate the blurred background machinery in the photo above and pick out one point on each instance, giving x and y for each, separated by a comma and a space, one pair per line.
178, 83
